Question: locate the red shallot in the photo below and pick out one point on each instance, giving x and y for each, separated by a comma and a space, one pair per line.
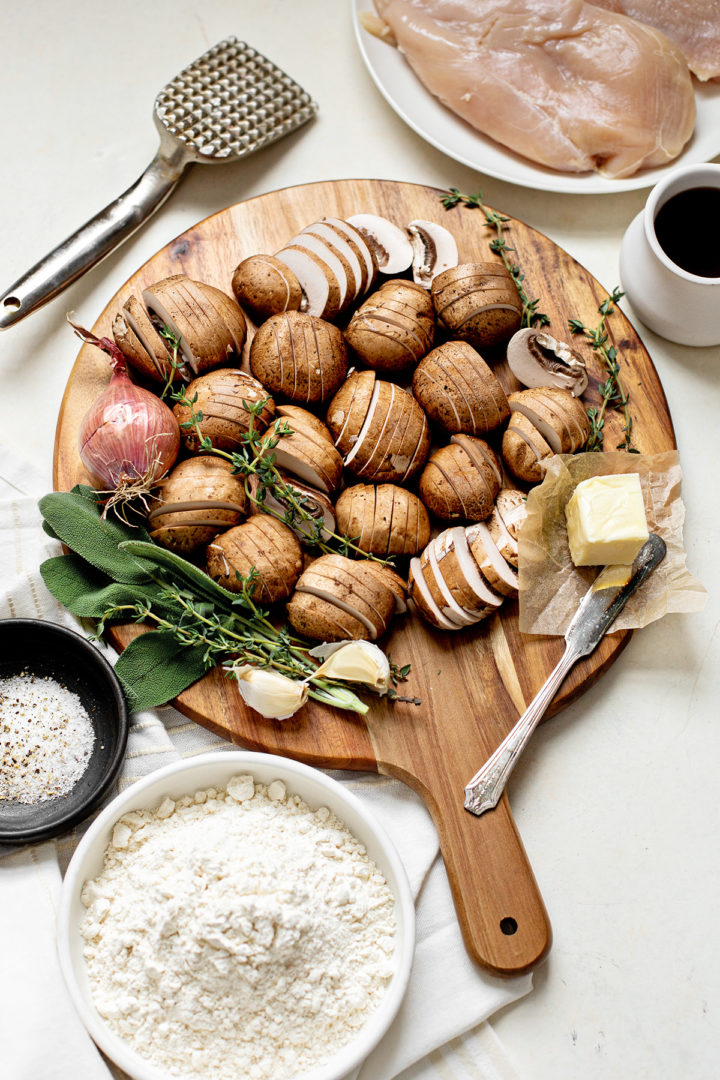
128, 438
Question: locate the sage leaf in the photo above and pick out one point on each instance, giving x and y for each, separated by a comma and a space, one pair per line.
180, 568
155, 668
89, 594
76, 519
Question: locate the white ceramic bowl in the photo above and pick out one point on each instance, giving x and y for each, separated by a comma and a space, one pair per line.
214, 770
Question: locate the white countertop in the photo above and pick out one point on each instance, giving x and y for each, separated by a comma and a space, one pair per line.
616, 797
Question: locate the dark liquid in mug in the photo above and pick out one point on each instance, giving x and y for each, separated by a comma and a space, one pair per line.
688, 230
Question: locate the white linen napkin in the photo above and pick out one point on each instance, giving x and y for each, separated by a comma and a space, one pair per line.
441, 1024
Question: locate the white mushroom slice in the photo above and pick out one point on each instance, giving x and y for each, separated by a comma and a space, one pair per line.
341, 245
324, 594
471, 573
452, 610
313, 282
366, 424
538, 359
314, 477
548, 433
319, 248
434, 250
427, 606
356, 237
390, 245
479, 534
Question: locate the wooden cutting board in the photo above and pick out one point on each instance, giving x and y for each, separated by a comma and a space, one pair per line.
474, 684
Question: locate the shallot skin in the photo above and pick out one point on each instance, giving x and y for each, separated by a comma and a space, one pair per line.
128, 435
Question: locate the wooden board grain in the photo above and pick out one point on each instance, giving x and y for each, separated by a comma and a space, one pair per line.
474, 684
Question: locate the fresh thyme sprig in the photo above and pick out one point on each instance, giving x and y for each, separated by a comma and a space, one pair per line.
530, 314
255, 459
175, 360
612, 392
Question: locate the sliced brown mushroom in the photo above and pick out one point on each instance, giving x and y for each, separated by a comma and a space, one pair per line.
524, 449
342, 246
434, 251
499, 574
313, 502
390, 245
265, 286
146, 350
538, 359
351, 589
307, 452
197, 500
457, 487
222, 397
383, 519
394, 439
264, 546
313, 281
348, 409
209, 325
478, 302
393, 328
459, 391
299, 356
558, 416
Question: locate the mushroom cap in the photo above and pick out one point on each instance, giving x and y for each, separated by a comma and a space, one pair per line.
457, 487
350, 587
221, 395
459, 391
434, 250
198, 499
348, 408
478, 302
210, 326
265, 286
394, 440
264, 545
538, 359
299, 356
524, 449
393, 328
383, 519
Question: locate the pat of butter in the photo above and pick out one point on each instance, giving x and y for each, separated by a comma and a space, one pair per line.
606, 520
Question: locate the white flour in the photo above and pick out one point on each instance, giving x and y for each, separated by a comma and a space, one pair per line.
237, 933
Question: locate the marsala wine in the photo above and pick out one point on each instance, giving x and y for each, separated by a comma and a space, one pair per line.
688, 230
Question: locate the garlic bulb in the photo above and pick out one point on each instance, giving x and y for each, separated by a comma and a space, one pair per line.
355, 661
271, 694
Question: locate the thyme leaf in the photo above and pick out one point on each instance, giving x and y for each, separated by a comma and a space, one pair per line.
612, 392
531, 316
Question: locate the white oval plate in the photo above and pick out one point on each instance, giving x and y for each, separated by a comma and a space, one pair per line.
404, 92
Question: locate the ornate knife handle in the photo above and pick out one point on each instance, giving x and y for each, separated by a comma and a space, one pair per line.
487, 785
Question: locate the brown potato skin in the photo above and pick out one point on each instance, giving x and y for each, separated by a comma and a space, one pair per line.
299, 356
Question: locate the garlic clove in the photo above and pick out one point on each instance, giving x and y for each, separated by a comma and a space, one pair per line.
271, 694
355, 661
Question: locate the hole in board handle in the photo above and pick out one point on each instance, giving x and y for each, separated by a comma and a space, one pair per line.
12, 302
508, 925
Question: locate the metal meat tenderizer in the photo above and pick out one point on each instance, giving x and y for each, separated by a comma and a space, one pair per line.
227, 104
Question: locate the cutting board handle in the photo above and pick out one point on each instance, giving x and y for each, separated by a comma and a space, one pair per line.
499, 907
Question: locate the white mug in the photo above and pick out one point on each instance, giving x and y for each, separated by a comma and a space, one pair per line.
673, 302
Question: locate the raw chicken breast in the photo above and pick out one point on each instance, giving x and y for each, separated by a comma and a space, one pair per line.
694, 26
562, 82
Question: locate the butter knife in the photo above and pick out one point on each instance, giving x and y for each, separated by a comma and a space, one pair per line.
597, 611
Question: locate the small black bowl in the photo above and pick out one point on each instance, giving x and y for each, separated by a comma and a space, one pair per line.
46, 649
